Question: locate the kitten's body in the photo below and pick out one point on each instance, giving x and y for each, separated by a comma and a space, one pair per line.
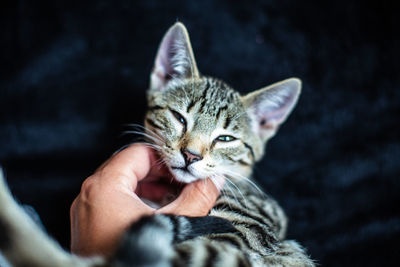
202, 128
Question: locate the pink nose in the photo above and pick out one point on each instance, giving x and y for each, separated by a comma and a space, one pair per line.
190, 156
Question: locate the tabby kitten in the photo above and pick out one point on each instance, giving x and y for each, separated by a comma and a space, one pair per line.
201, 128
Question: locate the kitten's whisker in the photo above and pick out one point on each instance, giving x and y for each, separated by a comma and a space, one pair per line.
134, 125
152, 138
244, 179
139, 131
122, 148
154, 134
159, 163
215, 183
141, 127
240, 192
156, 147
223, 190
228, 186
134, 141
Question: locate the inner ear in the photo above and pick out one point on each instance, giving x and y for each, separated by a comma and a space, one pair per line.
174, 58
264, 124
270, 106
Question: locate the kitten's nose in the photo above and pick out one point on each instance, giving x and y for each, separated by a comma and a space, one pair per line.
190, 156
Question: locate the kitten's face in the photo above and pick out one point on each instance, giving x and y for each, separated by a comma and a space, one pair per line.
203, 130
202, 127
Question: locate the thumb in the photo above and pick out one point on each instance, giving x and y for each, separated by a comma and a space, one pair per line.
195, 200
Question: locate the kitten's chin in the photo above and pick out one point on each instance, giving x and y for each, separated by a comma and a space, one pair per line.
183, 176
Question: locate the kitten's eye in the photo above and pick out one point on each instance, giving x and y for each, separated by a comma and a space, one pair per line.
179, 117
225, 138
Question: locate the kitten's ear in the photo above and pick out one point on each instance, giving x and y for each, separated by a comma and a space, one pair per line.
270, 106
174, 59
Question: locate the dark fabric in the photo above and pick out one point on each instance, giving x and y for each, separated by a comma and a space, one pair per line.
74, 72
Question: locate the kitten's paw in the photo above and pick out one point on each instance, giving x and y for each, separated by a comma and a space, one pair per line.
148, 242
290, 253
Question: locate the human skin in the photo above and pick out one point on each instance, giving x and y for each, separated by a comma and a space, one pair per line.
107, 204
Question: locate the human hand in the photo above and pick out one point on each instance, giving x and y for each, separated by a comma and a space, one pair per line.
107, 204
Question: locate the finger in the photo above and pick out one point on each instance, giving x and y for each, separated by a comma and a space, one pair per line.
196, 199
133, 159
129, 165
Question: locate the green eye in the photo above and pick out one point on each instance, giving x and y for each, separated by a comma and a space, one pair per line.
225, 138
179, 117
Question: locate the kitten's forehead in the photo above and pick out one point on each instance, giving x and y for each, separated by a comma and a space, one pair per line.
207, 96
212, 104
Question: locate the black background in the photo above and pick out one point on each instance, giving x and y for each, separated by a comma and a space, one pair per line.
74, 72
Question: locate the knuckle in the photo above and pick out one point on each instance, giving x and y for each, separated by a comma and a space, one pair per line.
87, 185
88, 189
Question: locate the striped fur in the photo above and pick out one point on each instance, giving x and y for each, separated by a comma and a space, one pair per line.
202, 128
191, 113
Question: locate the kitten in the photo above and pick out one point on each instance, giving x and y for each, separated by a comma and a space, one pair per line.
202, 128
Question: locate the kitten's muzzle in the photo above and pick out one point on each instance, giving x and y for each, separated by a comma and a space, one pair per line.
190, 156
